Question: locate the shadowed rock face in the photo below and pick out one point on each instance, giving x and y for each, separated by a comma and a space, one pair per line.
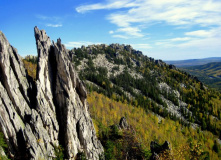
123, 123
37, 116
156, 149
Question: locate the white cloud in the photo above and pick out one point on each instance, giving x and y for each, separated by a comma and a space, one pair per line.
210, 39
172, 12
209, 43
120, 36
138, 15
111, 32
199, 39
201, 33
172, 42
79, 44
132, 31
114, 4
180, 39
52, 21
54, 25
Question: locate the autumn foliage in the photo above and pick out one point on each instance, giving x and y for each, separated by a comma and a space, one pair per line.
187, 142
31, 68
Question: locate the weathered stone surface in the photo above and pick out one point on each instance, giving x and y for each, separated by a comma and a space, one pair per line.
37, 116
2, 152
172, 67
159, 62
156, 149
123, 123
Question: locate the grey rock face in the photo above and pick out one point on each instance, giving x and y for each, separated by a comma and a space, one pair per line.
156, 149
35, 117
123, 123
172, 66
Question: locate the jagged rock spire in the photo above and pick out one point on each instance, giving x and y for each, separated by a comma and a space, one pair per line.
76, 131
37, 116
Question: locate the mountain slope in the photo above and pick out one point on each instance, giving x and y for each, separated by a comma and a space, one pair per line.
120, 72
194, 62
185, 141
209, 73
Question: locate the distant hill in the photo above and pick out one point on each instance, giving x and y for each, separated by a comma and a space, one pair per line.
209, 73
194, 62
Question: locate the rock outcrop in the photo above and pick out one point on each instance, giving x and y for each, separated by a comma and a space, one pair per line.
157, 149
36, 117
123, 123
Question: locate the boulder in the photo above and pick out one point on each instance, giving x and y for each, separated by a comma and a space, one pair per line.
157, 149
123, 123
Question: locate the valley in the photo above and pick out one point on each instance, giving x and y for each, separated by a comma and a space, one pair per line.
193, 62
209, 73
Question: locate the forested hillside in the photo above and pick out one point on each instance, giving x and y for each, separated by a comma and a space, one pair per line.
159, 101
186, 142
124, 74
209, 73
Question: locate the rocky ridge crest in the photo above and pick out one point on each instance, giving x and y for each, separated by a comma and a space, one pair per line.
35, 117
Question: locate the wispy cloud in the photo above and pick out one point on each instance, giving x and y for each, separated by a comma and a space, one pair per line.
207, 43
173, 42
120, 36
114, 4
200, 39
180, 12
111, 32
78, 44
52, 21
132, 31
180, 39
54, 25
142, 13
210, 38
201, 33
128, 32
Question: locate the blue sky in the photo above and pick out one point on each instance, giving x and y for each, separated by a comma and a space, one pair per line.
162, 29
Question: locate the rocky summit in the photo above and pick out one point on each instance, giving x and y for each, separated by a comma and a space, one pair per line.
37, 117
